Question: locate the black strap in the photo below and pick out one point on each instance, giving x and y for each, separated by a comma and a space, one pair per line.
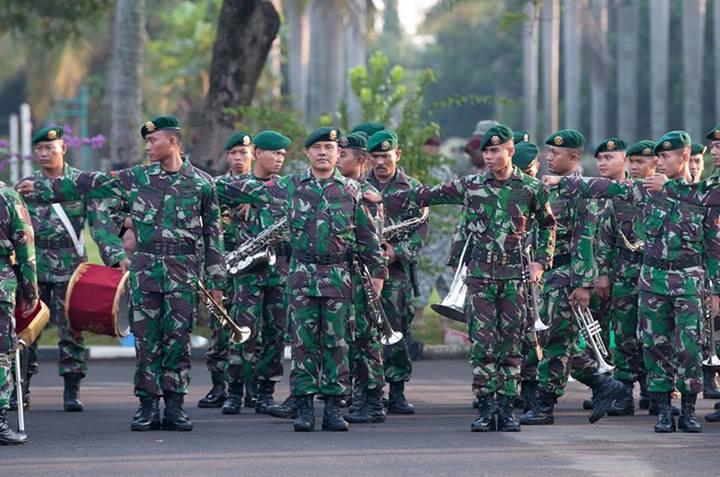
322, 259
167, 248
686, 261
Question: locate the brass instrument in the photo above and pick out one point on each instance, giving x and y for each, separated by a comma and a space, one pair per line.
711, 339
453, 305
389, 336
257, 250
406, 227
531, 293
238, 334
591, 331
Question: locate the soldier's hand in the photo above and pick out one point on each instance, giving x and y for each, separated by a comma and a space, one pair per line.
244, 209
377, 284
581, 297
25, 187
602, 287
536, 272
29, 307
124, 264
655, 183
389, 252
128, 223
550, 181
714, 305
217, 296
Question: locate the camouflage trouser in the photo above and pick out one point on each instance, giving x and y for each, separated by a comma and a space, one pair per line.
396, 303
162, 323
561, 353
7, 346
628, 356
216, 357
319, 349
528, 368
496, 314
670, 337
72, 347
366, 360
601, 311
264, 310
707, 340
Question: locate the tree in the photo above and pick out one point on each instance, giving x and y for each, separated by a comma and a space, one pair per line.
572, 64
550, 64
627, 73
599, 64
531, 42
126, 81
245, 32
693, 24
659, 66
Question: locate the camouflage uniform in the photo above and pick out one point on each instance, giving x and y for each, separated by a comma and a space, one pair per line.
177, 222
397, 291
327, 224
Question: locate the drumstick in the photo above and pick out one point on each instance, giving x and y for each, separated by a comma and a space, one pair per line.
19, 388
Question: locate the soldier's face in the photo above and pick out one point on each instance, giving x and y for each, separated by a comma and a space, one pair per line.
350, 163
385, 163
499, 158
239, 158
611, 164
642, 166
533, 169
561, 161
715, 153
696, 166
269, 162
49, 154
323, 155
159, 146
673, 163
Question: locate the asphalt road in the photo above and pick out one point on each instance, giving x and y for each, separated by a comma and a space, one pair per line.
436, 441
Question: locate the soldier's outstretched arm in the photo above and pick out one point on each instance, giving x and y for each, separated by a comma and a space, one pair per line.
452, 192
214, 260
597, 188
22, 238
232, 191
85, 185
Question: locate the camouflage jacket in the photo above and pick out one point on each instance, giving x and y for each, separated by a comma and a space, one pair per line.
57, 256
176, 219
408, 247
16, 244
327, 222
496, 218
616, 239
677, 237
234, 224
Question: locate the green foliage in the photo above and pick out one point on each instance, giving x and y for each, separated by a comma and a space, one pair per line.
49, 21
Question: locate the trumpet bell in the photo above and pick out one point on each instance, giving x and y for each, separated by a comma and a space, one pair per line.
393, 338
603, 367
538, 326
453, 312
713, 361
244, 333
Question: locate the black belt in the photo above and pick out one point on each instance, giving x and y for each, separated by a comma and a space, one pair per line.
677, 264
629, 255
500, 258
167, 248
54, 243
560, 260
322, 259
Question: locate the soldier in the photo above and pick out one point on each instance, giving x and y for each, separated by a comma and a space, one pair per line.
239, 153
19, 281
177, 221
327, 223
387, 177
498, 206
678, 238
259, 300
521, 136
568, 284
58, 237
696, 165
366, 362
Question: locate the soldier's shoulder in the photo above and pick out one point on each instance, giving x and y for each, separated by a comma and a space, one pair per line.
202, 175
352, 187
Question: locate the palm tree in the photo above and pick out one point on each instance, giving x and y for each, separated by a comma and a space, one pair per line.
659, 66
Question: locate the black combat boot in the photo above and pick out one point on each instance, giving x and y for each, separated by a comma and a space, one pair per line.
644, 402
8, 437
305, 420
665, 421
233, 402
285, 410
605, 391
653, 408
397, 404
542, 410
506, 420
372, 409
217, 395
251, 393
688, 421
175, 418
485, 420
71, 403
147, 417
266, 388
715, 415
358, 399
710, 389
528, 394
624, 406
332, 419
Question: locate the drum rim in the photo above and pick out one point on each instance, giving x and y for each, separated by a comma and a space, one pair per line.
42, 315
122, 286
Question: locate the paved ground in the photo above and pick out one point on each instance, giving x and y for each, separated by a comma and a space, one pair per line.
436, 441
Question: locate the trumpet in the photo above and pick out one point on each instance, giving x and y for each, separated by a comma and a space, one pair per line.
591, 332
389, 336
238, 334
531, 294
453, 305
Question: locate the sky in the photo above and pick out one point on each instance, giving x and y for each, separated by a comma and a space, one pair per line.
412, 13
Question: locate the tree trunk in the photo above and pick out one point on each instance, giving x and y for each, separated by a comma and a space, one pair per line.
572, 14
298, 40
716, 43
327, 67
245, 32
599, 65
531, 41
659, 66
126, 83
627, 72
693, 43
355, 51
550, 65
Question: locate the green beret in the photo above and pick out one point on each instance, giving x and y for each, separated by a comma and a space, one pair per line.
611, 144
696, 149
384, 140
525, 154
520, 136
499, 134
567, 138
323, 134
368, 128
714, 134
645, 148
160, 123
673, 140
48, 134
271, 140
239, 138
357, 140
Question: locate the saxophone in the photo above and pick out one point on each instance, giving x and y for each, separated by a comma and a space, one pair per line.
406, 227
258, 249
238, 334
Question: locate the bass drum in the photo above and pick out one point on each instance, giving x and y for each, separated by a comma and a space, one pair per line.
28, 328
